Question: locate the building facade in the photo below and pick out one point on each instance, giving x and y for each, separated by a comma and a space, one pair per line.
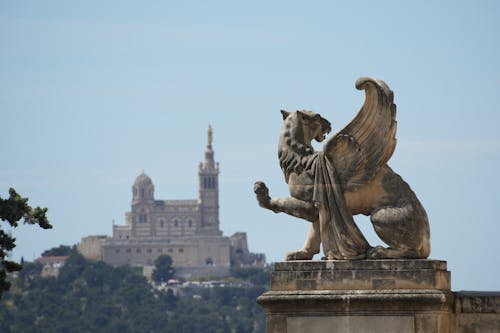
186, 230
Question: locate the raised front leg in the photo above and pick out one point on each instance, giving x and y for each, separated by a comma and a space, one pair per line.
291, 206
297, 208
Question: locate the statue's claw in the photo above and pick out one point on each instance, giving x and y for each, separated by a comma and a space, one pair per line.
329, 256
260, 188
377, 252
262, 194
299, 255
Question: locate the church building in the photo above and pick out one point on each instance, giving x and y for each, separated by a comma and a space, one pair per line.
186, 230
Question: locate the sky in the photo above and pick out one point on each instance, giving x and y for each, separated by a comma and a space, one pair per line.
94, 92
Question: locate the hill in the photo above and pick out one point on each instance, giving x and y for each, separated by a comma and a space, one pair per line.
95, 297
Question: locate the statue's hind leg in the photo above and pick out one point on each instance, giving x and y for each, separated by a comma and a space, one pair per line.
404, 228
380, 252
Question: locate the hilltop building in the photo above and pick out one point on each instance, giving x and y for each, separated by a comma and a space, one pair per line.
186, 230
51, 265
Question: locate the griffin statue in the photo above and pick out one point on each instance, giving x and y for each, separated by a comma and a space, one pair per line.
350, 176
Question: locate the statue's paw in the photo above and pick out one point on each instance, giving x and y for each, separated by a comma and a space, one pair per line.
329, 256
299, 255
377, 252
262, 194
260, 188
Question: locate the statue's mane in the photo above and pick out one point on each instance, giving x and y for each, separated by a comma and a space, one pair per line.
294, 156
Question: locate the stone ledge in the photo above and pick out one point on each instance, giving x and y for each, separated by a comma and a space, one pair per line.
477, 302
360, 275
360, 301
383, 264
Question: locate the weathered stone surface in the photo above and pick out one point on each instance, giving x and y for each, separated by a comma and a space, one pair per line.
430, 310
477, 311
335, 293
389, 264
359, 324
350, 301
349, 176
360, 275
478, 302
374, 296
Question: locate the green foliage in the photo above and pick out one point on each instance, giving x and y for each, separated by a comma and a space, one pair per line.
95, 297
12, 210
61, 250
254, 275
29, 275
163, 270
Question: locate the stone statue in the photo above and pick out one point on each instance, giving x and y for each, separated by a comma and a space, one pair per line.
349, 176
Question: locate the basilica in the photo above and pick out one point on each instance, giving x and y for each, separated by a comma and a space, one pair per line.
186, 230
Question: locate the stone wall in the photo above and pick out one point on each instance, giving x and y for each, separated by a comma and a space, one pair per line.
477, 312
372, 296
91, 247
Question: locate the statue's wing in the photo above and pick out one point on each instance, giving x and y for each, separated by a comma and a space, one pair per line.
369, 140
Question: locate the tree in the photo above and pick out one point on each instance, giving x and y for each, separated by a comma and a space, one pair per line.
90, 296
163, 269
258, 276
12, 210
61, 250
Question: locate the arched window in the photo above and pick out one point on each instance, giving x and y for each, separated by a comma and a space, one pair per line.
143, 217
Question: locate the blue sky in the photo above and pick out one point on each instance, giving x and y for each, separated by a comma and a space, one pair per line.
92, 93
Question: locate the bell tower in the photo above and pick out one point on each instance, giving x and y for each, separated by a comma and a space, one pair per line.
208, 175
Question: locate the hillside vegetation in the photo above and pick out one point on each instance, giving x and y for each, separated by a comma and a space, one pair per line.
95, 297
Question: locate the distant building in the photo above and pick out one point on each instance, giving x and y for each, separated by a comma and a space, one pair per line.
91, 246
51, 265
186, 230
241, 256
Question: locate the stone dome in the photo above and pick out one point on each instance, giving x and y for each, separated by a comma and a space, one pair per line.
143, 180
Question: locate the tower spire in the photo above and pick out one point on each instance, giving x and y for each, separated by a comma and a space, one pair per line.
208, 174
210, 135
209, 152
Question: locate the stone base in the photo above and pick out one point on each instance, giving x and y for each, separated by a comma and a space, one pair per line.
370, 311
400, 296
360, 275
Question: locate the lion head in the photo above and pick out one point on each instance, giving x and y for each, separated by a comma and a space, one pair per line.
295, 151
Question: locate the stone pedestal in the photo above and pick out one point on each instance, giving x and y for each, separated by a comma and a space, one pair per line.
400, 296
